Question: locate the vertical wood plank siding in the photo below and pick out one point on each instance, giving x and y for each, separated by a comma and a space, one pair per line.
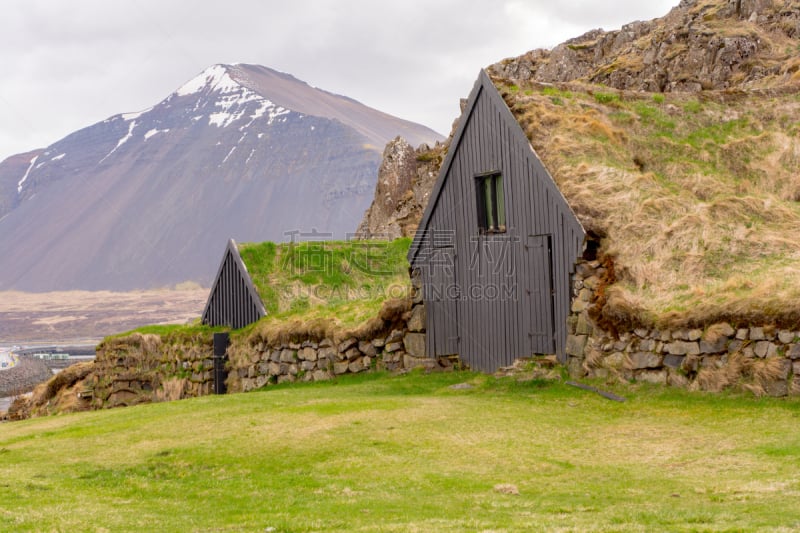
233, 300
513, 287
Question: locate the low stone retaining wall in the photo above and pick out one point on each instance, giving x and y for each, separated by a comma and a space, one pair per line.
142, 368
400, 345
762, 359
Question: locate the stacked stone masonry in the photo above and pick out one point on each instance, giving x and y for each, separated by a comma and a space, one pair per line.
135, 369
401, 349
762, 359
143, 368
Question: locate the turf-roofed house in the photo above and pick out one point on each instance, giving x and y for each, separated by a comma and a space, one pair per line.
637, 235
233, 300
342, 283
496, 245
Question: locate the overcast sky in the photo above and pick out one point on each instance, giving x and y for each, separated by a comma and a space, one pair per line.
69, 64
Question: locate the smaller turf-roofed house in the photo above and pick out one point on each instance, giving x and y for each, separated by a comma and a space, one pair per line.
496, 245
233, 300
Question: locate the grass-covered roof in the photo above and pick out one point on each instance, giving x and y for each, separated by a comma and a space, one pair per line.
696, 196
343, 283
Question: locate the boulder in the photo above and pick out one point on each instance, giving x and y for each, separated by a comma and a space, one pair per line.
575, 345
356, 366
720, 329
417, 321
676, 379
347, 344
410, 362
641, 360
764, 349
414, 344
307, 354
393, 346
320, 375
395, 336
328, 352
719, 345
584, 325
367, 348
352, 354
683, 348
615, 360
658, 377
287, 356
379, 342
794, 352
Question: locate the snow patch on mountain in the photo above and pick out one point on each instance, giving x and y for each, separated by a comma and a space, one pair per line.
231, 99
232, 106
227, 156
27, 173
154, 131
122, 141
215, 77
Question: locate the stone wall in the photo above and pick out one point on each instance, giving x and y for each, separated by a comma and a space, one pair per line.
760, 358
395, 341
142, 368
402, 348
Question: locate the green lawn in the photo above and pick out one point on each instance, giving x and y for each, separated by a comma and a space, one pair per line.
409, 453
293, 278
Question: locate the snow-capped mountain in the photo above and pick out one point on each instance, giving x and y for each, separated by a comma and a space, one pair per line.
149, 199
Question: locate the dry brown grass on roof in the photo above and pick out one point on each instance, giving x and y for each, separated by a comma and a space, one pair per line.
696, 196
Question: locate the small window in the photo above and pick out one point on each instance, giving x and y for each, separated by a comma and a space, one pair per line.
491, 203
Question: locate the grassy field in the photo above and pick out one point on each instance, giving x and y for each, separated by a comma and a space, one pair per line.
328, 277
410, 453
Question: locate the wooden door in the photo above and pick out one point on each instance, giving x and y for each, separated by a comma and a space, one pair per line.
443, 302
539, 293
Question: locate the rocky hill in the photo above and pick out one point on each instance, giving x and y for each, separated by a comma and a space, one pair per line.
405, 181
700, 45
149, 199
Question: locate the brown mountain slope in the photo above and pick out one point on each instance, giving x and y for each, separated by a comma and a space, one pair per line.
146, 200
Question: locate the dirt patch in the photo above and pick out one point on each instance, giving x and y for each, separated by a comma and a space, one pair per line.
91, 315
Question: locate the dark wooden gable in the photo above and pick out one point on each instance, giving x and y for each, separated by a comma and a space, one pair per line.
492, 297
233, 300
